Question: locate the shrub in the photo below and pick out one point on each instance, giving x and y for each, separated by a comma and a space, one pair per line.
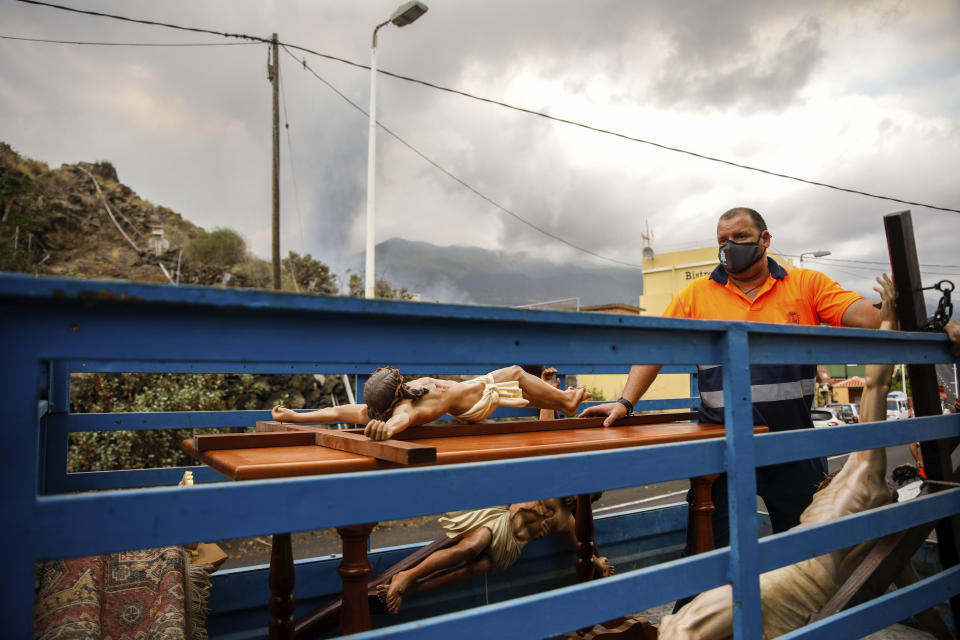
312, 276
17, 251
154, 392
106, 393
220, 248
381, 289
596, 393
254, 272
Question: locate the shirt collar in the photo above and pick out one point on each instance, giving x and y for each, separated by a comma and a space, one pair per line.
720, 274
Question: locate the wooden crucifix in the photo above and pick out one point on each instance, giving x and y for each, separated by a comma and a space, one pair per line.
881, 568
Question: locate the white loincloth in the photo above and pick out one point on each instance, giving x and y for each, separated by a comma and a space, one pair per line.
504, 548
495, 394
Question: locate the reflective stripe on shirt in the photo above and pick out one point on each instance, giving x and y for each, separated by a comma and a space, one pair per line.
775, 392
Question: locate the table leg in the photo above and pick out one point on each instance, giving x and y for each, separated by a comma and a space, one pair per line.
622, 628
703, 509
354, 569
586, 547
281, 587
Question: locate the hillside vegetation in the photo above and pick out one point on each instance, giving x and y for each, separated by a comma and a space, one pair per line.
80, 221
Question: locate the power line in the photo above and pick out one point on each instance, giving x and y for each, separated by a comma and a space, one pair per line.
873, 262
667, 147
868, 262
148, 22
457, 179
852, 273
863, 272
132, 44
505, 105
845, 268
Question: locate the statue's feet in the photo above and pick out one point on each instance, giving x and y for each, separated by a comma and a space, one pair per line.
575, 395
392, 596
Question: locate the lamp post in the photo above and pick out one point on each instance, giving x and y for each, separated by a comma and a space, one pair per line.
815, 254
404, 15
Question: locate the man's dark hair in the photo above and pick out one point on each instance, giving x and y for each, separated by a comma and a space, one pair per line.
757, 219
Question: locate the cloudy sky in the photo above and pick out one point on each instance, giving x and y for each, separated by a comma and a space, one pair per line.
860, 94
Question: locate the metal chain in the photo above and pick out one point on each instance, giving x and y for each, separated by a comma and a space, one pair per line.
944, 308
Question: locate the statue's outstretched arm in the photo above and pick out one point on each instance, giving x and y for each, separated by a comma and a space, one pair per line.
355, 413
873, 407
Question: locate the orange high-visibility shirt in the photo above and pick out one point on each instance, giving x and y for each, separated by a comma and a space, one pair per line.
781, 393
799, 296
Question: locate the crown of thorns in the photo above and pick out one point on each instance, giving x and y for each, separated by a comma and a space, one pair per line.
382, 391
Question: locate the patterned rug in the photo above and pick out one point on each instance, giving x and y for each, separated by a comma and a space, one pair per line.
130, 595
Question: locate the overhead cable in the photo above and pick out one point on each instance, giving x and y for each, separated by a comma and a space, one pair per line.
845, 268
505, 105
153, 23
131, 44
457, 179
874, 270
879, 263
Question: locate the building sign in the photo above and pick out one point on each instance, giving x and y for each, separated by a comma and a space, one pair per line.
691, 274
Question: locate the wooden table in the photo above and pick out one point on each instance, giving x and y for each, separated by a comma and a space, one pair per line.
285, 450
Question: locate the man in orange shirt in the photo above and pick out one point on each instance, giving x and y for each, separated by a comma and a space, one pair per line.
749, 286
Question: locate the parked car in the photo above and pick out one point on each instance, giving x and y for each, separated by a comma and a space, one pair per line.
848, 411
897, 408
825, 417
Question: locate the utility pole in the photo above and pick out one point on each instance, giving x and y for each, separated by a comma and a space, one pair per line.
273, 74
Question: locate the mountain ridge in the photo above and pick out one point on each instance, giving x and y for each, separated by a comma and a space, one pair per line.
473, 275
79, 220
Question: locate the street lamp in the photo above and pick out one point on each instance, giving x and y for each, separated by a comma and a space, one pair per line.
404, 15
815, 254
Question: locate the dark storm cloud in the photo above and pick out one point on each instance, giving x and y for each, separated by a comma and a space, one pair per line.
743, 75
191, 128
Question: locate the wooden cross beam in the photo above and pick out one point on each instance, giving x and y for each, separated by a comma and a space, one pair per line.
893, 552
403, 449
898, 549
390, 450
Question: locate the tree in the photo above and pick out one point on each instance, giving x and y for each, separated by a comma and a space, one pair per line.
16, 226
219, 249
896, 381
312, 276
382, 289
125, 392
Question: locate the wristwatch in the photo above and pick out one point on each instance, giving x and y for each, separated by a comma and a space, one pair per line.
626, 403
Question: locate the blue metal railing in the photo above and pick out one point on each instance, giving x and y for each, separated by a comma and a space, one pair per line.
52, 327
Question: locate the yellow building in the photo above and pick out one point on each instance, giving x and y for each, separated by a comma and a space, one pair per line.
664, 275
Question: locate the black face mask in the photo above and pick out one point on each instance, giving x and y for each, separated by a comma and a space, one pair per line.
737, 257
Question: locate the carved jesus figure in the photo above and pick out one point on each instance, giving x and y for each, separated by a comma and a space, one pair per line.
487, 540
792, 593
392, 405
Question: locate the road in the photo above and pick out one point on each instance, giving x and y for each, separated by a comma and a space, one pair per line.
669, 492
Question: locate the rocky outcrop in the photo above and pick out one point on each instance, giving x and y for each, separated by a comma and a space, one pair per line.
79, 220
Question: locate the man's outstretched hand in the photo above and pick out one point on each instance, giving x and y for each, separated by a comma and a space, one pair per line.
612, 410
